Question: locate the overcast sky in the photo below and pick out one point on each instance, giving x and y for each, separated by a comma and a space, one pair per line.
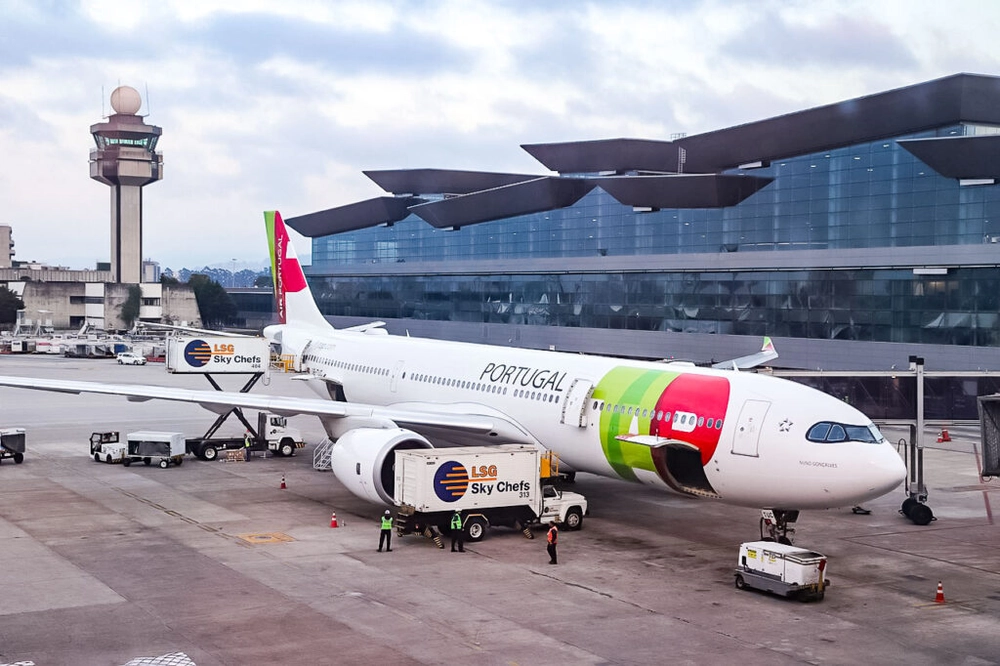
268, 104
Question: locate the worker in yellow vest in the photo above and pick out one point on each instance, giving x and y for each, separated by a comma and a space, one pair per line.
385, 533
457, 532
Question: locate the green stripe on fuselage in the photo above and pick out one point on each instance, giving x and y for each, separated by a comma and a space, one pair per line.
629, 387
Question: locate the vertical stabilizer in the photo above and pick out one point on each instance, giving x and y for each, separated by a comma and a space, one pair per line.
293, 300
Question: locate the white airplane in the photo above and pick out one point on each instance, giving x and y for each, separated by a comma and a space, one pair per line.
741, 438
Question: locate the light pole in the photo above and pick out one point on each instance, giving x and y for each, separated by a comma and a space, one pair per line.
232, 276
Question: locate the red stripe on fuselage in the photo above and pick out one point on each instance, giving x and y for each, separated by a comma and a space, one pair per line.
707, 398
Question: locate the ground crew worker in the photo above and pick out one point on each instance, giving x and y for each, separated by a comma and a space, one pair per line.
385, 535
246, 446
553, 538
457, 532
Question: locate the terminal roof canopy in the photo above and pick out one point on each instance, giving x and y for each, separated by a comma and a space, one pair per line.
686, 172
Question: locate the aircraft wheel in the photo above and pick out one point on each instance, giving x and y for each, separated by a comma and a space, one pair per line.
740, 583
907, 506
164, 463
921, 514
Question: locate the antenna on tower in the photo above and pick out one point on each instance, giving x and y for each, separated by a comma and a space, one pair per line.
147, 100
103, 115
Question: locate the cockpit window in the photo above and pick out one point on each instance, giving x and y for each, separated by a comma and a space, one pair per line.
826, 431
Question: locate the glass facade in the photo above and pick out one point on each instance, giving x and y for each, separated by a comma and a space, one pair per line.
883, 305
869, 195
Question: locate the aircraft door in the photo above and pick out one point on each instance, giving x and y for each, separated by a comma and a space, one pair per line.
748, 427
397, 371
574, 411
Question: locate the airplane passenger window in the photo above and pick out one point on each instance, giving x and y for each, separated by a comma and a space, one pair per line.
718, 424
711, 423
701, 421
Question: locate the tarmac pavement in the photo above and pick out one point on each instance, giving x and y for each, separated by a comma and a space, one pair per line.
101, 564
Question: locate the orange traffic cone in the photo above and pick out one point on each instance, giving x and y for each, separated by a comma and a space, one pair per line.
944, 437
283, 486
333, 520
939, 597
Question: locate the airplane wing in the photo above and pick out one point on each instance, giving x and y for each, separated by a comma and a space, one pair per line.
494, 427
766, 353
190, 329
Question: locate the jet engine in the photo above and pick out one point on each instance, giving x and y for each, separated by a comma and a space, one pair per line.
363, 460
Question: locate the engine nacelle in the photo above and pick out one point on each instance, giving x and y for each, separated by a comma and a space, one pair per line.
363, 460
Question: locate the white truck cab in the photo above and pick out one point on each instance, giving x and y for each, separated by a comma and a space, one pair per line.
563, 507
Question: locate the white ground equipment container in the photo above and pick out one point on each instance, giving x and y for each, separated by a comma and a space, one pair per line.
489, 485
782, 569
107, 447
12, 444
150, 445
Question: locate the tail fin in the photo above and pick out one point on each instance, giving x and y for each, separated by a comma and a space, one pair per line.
293, 300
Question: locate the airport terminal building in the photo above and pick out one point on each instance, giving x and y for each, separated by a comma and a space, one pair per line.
854, 234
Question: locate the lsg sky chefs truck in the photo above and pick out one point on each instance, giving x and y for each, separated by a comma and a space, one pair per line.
490, 485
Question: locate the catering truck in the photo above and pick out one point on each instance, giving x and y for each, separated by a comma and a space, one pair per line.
782, 569
273, 434
508, 485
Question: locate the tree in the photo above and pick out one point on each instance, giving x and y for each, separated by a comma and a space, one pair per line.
9, 305
215, 304
168, 279
263, 281
130, 308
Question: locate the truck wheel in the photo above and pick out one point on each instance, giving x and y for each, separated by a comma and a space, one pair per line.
475, 528
97, 457
287, 447
209, 453
574, 518
164, 463
126, 461
147, 461
19, 458
740, 583
108, 459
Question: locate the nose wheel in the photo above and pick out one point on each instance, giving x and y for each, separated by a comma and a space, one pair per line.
774, 525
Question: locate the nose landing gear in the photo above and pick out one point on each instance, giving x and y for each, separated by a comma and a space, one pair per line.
774, 524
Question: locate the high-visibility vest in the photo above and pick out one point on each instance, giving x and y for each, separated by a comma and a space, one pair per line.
386, 523
246, 440
553, 534
456, 522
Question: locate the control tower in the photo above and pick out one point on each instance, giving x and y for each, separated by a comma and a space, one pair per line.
126, 159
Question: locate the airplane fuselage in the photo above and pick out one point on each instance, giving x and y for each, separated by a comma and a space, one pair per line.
745, 438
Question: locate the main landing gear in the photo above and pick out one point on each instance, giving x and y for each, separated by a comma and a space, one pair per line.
774, 524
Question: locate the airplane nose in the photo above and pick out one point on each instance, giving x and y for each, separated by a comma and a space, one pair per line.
886, 472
